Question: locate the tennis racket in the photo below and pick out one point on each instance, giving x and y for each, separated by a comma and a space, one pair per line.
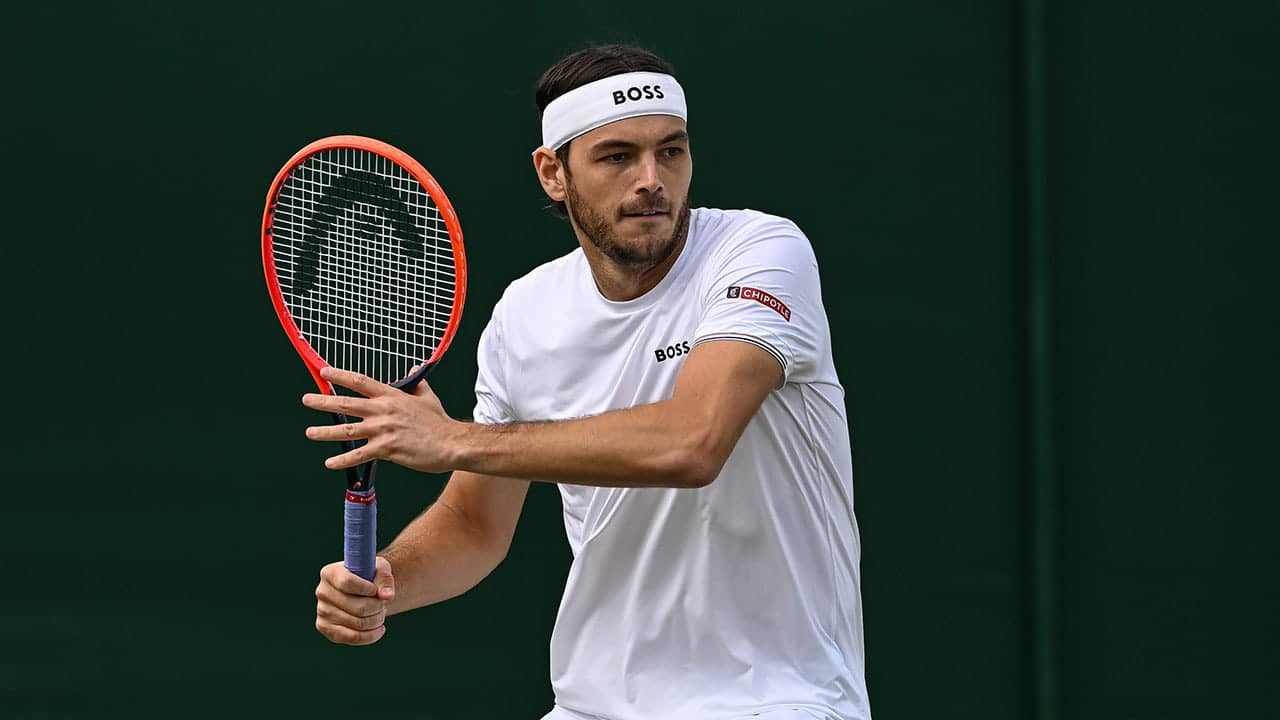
365, 265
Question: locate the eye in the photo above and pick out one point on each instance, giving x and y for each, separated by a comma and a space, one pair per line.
614, 158
672, 152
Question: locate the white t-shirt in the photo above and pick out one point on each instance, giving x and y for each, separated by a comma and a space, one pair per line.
738, 598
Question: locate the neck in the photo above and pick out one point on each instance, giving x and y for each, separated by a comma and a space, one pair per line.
618, 282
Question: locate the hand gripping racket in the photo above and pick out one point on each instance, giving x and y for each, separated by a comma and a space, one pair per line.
365, 265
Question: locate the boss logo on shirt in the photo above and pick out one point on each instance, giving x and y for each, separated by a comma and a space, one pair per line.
762, 297
672, 351
648, 92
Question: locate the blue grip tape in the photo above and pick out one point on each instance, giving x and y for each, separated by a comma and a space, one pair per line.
360, 533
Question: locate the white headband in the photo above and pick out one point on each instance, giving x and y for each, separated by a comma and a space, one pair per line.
615, 98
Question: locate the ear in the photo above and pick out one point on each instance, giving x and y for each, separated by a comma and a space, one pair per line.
550, 173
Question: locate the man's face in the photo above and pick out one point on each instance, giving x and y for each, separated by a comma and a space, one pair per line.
627, 187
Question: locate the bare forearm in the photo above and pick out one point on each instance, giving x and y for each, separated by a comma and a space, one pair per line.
645, 446
436, 557
680, 442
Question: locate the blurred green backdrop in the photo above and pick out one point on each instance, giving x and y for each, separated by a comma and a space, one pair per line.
1048, 235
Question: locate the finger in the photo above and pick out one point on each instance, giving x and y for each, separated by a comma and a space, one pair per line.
356, 407
347, 636
352, 458
344, 581
357, 606
362, 384
343, 431
337, 616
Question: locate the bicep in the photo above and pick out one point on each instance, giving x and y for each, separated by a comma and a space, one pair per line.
489, 505
720, 388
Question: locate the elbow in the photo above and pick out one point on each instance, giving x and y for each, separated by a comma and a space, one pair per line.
701, 468
492, 548
500, 551
700, 475
696, 463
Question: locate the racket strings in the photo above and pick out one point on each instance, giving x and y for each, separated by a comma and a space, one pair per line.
365, 262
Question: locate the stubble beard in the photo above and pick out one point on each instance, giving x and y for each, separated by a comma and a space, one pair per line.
638, 258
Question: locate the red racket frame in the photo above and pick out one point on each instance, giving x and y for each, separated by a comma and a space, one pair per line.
309, 356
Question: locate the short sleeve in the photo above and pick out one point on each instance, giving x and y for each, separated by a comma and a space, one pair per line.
763, 289
492, 404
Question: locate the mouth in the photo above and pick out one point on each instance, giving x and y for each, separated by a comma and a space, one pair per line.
645, 215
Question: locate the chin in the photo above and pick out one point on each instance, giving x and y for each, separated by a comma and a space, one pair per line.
661, 230
652, 240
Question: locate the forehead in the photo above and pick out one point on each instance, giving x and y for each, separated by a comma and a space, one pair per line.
643, 130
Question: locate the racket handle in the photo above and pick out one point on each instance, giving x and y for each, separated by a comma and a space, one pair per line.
360, 533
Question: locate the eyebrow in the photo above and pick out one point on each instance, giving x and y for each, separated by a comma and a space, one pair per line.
627, 145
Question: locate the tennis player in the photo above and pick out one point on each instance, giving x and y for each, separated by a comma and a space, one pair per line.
673, 375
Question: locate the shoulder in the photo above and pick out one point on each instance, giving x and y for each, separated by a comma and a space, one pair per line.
715, 221
727, 234
534, 287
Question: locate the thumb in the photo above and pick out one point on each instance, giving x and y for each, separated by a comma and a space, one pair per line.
422, 389
384, 580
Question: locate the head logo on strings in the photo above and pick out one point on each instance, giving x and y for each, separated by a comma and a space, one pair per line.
352, 189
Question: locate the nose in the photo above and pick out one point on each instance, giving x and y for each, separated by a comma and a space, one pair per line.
647, 179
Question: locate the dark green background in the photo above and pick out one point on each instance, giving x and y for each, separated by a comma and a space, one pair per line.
1048, 236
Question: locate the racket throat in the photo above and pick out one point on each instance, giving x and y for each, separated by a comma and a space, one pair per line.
360, 478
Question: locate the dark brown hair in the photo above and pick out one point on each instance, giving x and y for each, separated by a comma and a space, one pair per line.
587, 66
